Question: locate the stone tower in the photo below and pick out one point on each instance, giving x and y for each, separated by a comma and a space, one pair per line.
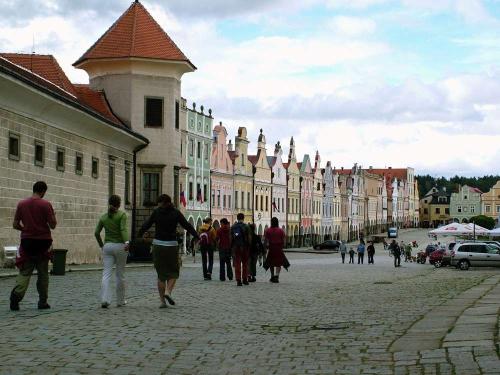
139, 69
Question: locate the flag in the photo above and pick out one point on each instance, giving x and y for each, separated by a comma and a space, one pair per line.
183, 199
199, 197
274, 207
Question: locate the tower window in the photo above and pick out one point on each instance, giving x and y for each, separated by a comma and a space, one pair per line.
153, 116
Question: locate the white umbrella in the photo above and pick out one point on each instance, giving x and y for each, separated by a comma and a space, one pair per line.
453, 229
478, 229
495, 232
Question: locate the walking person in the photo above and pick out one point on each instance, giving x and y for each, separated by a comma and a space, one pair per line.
274, 241
361, 251
371, 252
114, 250
240, 242
256, 251
351, 255
343, 250
223, 240
396, 252
407, 251
34, 218
208, 237
165, 246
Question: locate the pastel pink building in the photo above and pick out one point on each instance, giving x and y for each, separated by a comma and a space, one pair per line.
306, 195
221, 169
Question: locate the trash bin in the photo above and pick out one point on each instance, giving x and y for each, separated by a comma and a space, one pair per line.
59, 262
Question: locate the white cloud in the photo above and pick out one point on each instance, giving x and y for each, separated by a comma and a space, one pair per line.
352, 26
357, 4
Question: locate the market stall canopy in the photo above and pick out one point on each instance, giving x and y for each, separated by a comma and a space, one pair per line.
453, 229
494, 232
477, 228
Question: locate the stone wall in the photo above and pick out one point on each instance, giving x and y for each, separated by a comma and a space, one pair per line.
78, 200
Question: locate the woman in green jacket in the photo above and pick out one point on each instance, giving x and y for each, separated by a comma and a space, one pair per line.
114, 250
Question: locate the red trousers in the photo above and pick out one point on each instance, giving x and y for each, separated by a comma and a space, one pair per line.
240, 263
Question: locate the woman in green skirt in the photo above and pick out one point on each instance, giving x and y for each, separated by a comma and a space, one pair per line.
165, 247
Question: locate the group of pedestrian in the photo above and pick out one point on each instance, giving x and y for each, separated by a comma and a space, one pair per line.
361, 249
241, 244
35, 218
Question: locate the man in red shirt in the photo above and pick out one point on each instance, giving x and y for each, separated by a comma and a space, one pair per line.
35, 218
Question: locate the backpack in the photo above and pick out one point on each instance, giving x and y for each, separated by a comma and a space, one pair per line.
204, 238
238, 235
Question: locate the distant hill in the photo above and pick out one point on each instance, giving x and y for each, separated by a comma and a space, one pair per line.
426, 182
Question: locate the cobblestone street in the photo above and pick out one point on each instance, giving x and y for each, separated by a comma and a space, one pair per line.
323, 318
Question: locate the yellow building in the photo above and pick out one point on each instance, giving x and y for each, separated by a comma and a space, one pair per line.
243, 176
262, 187
293, 191
490, 202
439, 208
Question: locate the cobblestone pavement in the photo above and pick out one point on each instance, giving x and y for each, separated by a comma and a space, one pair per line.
323, 318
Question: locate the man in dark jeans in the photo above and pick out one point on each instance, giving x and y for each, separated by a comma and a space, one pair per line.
224, 246
371, 252
34, 218
396, 251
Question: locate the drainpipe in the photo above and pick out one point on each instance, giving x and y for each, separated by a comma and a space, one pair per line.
134, 190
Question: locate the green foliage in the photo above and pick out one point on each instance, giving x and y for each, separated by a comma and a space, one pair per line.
427, 182
484, 221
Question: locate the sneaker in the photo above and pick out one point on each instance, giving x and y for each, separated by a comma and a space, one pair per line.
252, 279
105, 305
163, 305
123, 304
245, 282
43, 306
239, 283
169, 299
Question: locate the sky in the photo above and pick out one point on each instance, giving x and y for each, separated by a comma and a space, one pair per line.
375, 82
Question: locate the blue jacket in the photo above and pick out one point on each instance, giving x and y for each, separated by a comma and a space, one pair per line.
361, 248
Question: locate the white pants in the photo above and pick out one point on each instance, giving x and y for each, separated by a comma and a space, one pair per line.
114, 253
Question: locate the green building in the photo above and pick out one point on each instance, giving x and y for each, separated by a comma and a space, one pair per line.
194, 175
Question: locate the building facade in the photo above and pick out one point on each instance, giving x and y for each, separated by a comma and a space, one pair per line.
317, 208
196, 148
279, 188
439, 208
465, 203
222, 181
243, 177
306, 197
491, 202
294, 197
67, 136
262, 186
328, 202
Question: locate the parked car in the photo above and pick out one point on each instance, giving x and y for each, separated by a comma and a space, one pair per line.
475, 254
440, 258
328, 245
392, 232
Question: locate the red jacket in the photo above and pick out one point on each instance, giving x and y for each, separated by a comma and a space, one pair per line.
224, 237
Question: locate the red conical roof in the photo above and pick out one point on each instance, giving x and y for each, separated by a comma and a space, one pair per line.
135, 34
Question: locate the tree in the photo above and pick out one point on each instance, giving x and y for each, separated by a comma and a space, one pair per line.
484, 221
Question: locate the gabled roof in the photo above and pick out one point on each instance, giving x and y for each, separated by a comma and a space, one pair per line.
135, 34
271, 160
253, 159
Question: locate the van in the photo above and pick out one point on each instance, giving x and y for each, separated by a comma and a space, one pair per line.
392, 232
475, 254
